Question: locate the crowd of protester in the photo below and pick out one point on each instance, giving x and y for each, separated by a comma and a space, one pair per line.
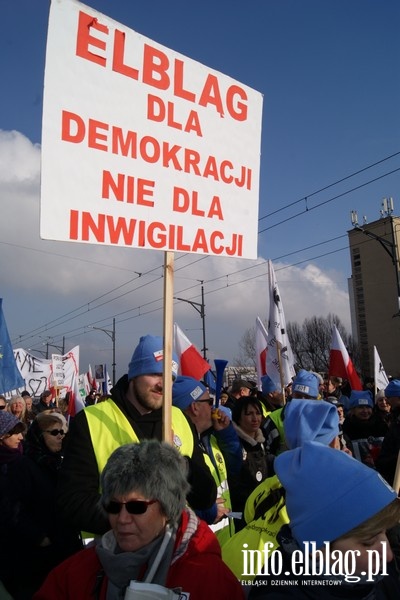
100, 506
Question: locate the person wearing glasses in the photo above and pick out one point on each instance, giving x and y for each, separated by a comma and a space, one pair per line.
44, 445
134, 412
154, 542
44, 442
3, 402
220, 444
25, 514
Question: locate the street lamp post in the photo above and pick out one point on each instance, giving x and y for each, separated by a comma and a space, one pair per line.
59, 348
111, 334
200, 307
48, 344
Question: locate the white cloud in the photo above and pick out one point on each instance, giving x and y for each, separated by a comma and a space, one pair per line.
45, 279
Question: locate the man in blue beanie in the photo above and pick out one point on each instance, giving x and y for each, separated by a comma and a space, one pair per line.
133, 413
218, 440
387, 459
305, 386
270, 396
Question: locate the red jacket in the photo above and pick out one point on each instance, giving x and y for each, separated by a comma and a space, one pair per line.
199, 571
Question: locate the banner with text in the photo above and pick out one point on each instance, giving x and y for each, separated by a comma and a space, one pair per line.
39, 374
144, 147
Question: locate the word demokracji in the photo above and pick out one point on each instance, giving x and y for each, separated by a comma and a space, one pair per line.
109, 138
157, 235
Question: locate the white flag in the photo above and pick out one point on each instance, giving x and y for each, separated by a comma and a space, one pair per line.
280, 363
261, 350
381, 379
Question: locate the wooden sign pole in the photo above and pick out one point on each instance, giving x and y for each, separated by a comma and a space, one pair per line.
168, 341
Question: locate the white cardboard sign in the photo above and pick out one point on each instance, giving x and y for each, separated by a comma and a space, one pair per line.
144, 147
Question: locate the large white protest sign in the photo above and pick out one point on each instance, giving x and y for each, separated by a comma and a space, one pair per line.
144, 147
38, 373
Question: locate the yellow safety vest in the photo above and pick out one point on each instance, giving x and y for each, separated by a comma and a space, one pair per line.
225, 528
276, 417
244, 553
109, 429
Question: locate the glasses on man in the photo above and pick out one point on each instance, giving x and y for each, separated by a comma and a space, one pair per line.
134, 507
55, 432
209, 401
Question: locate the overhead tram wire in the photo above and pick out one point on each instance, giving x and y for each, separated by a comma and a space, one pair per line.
329, 186
43, 328
56, 322
231, 284
307, 209
209, 293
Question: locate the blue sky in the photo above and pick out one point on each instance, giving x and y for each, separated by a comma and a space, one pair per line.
329, 74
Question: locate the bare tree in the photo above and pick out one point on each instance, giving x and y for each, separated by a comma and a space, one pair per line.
247, 346
310, 343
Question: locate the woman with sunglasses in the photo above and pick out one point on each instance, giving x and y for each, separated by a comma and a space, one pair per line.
25, 502
44, 442
155, 541
44, 445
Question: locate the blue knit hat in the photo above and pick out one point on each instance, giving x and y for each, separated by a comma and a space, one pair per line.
361, 398
307, 420
393, 389
148, 358
306, 382
328, 492
186, 390
268, 386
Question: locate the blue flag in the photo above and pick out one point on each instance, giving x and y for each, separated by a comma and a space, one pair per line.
10, 377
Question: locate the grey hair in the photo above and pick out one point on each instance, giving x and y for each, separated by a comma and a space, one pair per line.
155, 469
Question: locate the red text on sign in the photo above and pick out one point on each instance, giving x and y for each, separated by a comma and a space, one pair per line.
159, 111
156, 69
185, 202
109, 138
126, 188
83, 226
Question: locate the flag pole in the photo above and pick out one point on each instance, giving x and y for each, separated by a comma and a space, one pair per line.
396, 480
281, 373
167, 351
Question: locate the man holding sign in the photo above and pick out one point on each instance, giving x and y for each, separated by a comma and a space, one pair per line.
132, 414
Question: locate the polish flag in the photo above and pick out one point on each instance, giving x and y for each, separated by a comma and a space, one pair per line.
191, 363
75, 404
340, 364
261, 350
91, 379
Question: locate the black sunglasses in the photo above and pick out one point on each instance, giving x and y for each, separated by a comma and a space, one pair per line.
55, 432
2, 407
134, 507
209, 401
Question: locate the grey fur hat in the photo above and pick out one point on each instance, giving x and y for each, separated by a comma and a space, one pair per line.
155, 469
